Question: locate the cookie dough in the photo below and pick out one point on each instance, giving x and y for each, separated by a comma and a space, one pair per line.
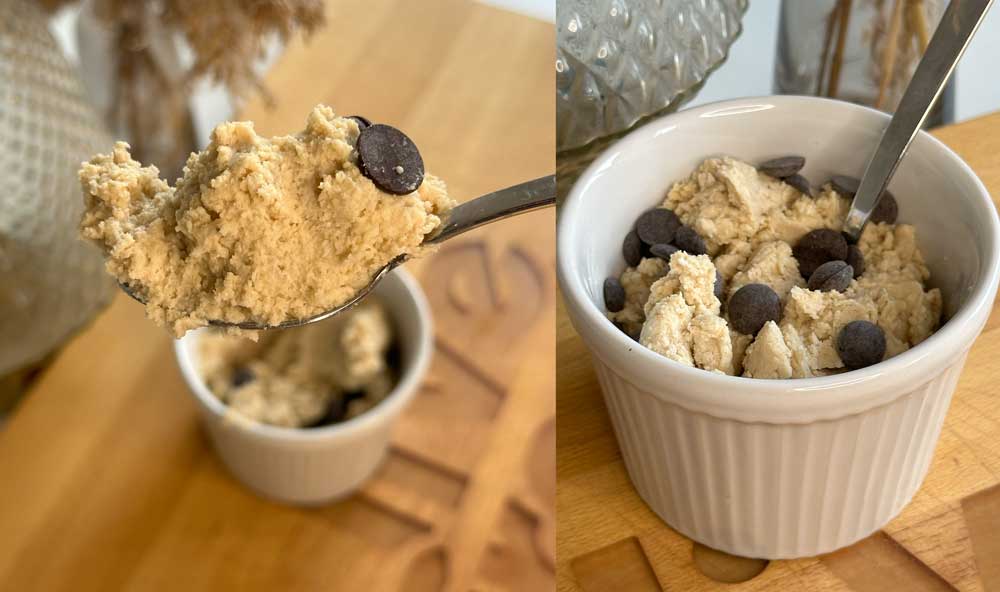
258, 229
313, 375
749, 222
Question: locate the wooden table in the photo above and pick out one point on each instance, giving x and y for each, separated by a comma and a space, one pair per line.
947, 538
106, 481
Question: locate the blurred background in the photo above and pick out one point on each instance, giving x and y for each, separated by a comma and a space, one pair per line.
621, 63
109, 484
753, 59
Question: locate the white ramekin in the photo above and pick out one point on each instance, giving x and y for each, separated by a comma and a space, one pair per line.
778, 468
317, 465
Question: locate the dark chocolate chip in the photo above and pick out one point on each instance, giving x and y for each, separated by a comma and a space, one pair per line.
752, 306
390, 159
632, 248
353, 395
687, 240
844, 185
831, 276
242, 375
614, 295
801, 183
657, 226
720, 285
786, 166
621, 327
663, 252
856, 260
817, 247
363, 122
886, 210
394, 356
335, 412
861, 344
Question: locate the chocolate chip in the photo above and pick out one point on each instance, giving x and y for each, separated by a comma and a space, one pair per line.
720, 285
856, 260
241, 376
657, 226
632, 248
752, 306
363, 122
621, 327
786, 166
801, 183
353, 395
614, 295
663, 252
844, 185
861, 344
394, 356
886, 210
817, 247
390, 159
688, 241
831, 276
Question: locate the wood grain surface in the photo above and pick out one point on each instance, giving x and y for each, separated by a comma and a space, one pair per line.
948, 538
107, 480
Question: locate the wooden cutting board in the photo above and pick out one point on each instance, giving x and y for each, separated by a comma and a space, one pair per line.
948, 538
106, 480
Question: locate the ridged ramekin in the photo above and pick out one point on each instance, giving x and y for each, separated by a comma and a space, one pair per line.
778, 468
318, 465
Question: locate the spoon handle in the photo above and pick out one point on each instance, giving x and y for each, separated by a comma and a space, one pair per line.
504, 203
958, 25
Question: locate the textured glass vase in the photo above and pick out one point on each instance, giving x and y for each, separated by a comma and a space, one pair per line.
620, 62
52, 282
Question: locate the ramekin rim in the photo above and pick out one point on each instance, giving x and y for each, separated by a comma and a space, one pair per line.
757, 394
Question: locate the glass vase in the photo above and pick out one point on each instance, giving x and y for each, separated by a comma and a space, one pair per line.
862, 51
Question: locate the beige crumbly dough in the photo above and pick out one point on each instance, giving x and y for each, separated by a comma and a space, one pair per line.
711, 345
750, 222
768, 356
773, 264
817, 318
257, 229
299, 375
691, 276
636, 281
666, 330
683, 321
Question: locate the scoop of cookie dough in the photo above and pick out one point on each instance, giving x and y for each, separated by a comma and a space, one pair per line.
320, 373
257, 229
750, 222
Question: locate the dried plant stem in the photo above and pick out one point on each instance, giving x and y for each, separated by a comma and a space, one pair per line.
918, 22
889, 52
844, 8
831, 21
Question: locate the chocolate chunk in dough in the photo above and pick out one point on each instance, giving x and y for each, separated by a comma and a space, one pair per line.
752, 306
861, 344
390, 159
657, 226
782, 167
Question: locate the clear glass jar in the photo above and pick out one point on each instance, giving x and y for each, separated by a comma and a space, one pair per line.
862, 51
622, 62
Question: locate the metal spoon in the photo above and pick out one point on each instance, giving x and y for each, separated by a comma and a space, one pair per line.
498, 205
958, 25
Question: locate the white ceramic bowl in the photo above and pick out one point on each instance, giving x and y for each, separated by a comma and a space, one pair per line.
317, 465
778, 468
